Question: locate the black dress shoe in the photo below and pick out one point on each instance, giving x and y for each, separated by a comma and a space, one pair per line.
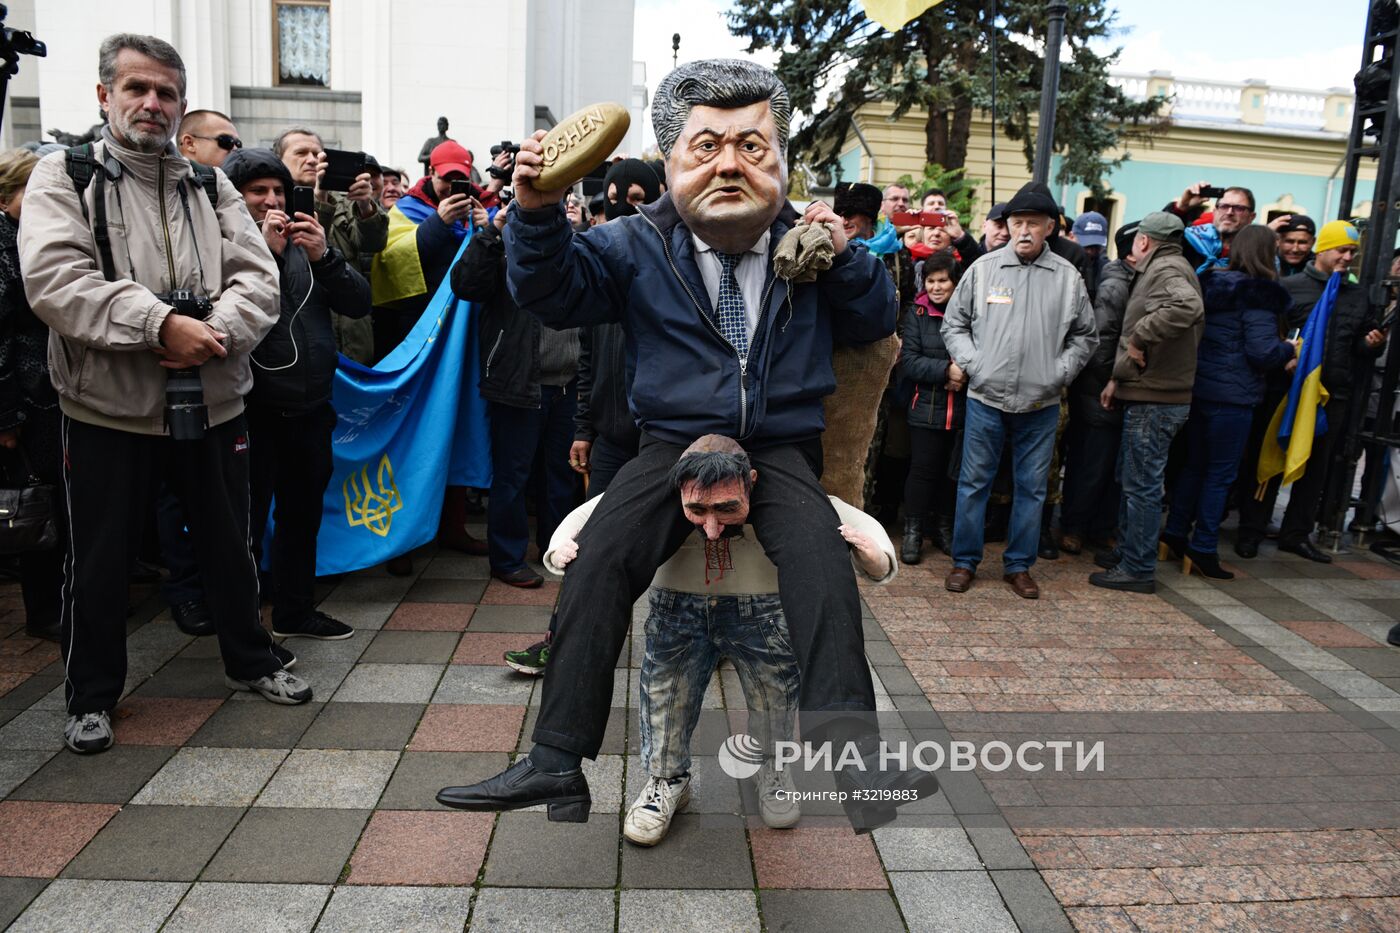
192, 618
1306, 548
521, 785
1248, 548
872, 793
1392, 637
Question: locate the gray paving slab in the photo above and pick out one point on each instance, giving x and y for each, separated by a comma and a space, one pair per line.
365, 616
420, 775
396, 647
17, 764
446, 591
366, 589
947, 901
288, 845
1031, 903
127, 907
578, 911
363, 725
382, 909
897, 680
533, 619
1375, 662
217, 907
313, 651
255, 725
998, 848
155, 843
211, 777
24, 696
315, 777
716, 911
529, 851
926, 848
829, 912
34, 730
16, 894
1353, 684
389, 683
702, 850
187, 677
112, 777
483, 683
457, 567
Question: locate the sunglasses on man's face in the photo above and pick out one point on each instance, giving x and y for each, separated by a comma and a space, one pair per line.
227, 141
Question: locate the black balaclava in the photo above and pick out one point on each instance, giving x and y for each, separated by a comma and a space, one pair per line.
624, 175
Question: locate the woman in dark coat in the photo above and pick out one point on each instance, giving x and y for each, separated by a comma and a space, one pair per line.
935, 411
1243, 342
29, 418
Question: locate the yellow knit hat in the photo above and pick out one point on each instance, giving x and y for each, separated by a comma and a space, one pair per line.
1334, 234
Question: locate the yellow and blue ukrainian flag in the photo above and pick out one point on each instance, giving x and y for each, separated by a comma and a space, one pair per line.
1301, 417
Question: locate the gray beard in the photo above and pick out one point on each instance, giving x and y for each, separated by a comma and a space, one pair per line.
138, 140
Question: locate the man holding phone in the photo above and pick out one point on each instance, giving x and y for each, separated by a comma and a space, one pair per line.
290, 418
350, 214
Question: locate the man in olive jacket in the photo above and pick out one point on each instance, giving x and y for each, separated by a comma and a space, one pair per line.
1152, 377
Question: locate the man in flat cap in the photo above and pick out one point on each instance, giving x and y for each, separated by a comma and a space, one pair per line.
1021, 326
1152, 379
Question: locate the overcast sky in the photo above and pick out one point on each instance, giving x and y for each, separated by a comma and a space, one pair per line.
1294, 43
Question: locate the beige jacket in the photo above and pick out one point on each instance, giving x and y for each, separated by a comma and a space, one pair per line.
104, 334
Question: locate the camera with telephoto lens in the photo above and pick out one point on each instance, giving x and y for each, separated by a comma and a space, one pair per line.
503, 173
186, 415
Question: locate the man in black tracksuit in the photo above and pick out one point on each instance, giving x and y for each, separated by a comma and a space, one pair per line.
290, 417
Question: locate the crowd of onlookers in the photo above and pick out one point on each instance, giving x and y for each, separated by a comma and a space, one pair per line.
1188, 342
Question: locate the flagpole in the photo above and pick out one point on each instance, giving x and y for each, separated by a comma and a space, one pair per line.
992, 28
1049, 88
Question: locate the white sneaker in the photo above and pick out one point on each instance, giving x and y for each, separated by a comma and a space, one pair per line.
649, 817
279, 687
777, 800
88, 733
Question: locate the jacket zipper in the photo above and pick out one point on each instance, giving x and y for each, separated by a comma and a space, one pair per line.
490, 357
165, 227
743, 361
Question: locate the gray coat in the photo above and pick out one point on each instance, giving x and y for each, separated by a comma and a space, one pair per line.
1022, 331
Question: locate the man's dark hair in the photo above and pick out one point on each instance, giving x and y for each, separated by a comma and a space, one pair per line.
280, 143
396, 172
710, 468
1248, 195
943, 261
195, 121
938, 191
1254, 251
149, 46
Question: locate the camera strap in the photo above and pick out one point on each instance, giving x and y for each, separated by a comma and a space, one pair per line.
83, 167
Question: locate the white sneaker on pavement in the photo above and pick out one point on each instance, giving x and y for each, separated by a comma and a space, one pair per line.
777, 800
649, 818
278, 687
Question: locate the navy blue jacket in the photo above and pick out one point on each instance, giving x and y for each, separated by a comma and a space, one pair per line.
1241, 342
923, 360
686, 379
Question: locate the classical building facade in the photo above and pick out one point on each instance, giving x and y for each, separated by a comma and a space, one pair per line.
367, 74
1286, 144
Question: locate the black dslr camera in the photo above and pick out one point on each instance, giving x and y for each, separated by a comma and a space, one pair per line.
503, 173
186, 415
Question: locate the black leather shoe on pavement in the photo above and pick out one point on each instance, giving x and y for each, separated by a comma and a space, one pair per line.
1108, 559
192, 618
1248, 548
1392, 637
873, 794
1306, 548
316, 625
522, 785
525, 578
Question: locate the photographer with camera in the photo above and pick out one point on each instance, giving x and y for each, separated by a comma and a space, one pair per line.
112, 234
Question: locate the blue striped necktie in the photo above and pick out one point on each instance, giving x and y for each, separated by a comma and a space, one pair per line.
730, 316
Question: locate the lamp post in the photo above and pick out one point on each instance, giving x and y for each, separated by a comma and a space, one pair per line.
1049, 88
675, 48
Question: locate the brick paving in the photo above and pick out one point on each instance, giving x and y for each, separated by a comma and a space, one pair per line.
1252, 727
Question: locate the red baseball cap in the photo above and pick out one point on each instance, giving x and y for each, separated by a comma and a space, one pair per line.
450, 157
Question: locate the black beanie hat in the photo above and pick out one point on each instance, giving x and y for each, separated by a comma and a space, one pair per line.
858, 199
624, 175
1034, 198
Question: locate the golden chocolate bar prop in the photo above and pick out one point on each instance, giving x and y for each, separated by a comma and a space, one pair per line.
579, 143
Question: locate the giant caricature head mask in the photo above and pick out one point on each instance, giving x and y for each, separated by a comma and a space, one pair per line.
722, 125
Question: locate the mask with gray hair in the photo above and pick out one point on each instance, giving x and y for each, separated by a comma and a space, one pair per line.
718, 82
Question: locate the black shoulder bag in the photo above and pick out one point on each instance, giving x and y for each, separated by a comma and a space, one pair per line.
27, 513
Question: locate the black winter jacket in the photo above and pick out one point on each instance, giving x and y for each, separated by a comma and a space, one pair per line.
1346, 357
603, 380
25, 389
1241, 343
508, 338
923, 360
1115, 281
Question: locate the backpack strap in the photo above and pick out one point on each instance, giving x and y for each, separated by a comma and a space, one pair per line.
83, 167
208, 181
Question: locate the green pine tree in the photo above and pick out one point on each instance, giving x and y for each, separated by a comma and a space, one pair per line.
942, 61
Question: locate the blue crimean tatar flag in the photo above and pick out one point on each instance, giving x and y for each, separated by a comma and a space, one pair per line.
406, 429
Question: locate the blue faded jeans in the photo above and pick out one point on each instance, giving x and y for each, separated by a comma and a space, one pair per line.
985, 431
1148, 429
687, 634
1216, 434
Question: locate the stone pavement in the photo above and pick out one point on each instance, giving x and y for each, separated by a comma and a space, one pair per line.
1251, 728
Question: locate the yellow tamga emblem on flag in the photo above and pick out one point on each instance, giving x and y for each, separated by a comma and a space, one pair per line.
372, 508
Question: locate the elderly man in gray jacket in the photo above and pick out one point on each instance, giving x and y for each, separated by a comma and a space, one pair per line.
1020, 327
